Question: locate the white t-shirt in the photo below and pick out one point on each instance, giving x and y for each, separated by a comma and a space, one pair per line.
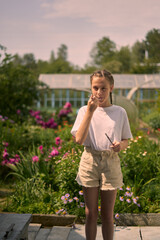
112, 120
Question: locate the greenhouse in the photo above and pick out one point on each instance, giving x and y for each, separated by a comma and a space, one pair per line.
75, 88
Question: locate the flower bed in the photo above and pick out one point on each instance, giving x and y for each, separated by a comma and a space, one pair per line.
44, 162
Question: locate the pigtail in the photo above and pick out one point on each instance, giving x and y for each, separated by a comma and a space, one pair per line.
111, 97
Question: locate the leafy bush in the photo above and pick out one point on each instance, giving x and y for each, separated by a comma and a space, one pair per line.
18, 89
155, 122
65, 171
140, 161
32, 196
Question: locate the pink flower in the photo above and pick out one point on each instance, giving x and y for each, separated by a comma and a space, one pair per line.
12, 160
81, 192
117, 216
121, 199
58, 141
18, 111
35, 158
65, 155
82, 204
4, 162
58, 161
135, 200
41, 149
38, 117
5, 144
54, 153
67, 195
128, 194
75, 198
17, 158
63, 198
5, 154
67, 105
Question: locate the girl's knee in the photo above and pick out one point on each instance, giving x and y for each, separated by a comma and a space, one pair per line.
91, 214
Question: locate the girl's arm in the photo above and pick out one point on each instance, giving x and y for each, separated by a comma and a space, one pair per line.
82, 132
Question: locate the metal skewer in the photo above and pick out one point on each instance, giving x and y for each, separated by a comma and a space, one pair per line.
109, 138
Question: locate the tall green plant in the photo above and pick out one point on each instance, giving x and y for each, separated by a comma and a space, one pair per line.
18, 88
32, 164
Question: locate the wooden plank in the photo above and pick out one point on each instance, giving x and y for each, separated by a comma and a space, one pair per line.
43, 234
32, 235
59, 233
33, 230
33, 227
20, 220
8, 231
20, 229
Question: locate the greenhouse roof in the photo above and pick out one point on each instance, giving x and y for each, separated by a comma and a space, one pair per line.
82, 81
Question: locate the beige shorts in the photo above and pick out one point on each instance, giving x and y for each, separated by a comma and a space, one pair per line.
100, 169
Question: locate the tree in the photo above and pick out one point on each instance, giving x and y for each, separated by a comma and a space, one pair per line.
124, 57
152, 43
52, 57
103, 51
17, 60
42, 66
113, 66
60, 66
18, 87
29, 61
138, 52
62, 52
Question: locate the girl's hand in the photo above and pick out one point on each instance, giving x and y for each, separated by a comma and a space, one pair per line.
116, 146
92, 103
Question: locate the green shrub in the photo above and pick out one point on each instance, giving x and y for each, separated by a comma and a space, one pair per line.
155, 122
140, 161
32, 196
18, 89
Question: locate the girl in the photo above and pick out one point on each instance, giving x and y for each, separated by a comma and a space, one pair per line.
96, 126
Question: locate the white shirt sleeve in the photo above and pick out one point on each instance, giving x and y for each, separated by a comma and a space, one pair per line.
126, 132
78, 121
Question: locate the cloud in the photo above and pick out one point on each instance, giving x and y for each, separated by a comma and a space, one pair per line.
105, 13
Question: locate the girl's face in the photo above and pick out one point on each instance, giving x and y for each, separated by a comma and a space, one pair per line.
101, 89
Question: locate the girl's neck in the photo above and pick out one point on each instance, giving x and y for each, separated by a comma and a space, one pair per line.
108, 104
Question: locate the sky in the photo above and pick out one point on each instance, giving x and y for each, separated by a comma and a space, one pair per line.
40, 26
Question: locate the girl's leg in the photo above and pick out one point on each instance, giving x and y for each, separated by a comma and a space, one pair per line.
91, 210
107, 206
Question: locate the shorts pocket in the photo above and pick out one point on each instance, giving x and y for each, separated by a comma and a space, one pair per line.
86, 162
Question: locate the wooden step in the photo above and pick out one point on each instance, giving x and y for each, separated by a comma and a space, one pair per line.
14, 226
59, 233
43, 234
33, 230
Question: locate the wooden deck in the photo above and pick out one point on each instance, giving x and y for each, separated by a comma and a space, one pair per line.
36, 232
